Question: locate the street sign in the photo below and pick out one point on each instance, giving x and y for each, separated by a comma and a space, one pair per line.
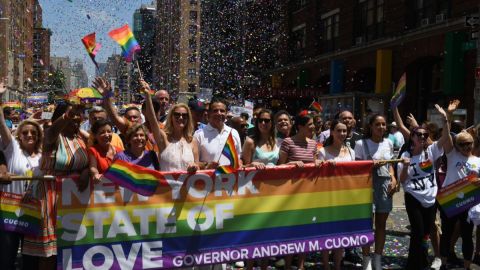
472, 21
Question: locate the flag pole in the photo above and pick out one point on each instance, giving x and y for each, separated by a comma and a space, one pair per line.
138, 66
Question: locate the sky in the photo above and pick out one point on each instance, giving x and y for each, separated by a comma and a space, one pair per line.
71, 20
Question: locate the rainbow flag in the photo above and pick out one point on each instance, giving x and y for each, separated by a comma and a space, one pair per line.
202, 218
16, 216
231, 153
17, 105
127, 41
138, 179
91, 46
400, 92
316, 106
459, 196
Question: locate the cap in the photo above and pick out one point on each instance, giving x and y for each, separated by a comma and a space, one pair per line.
393, 124
196, 105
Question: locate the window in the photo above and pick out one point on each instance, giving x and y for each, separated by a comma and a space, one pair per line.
192, 57
192, 87
299, 36
329, 24
192, 73
299, 4
192, 43
193, 2
430, 11
369, 21
193, 15
192, 29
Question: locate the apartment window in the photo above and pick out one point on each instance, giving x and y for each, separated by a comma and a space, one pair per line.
192, 57
369, 21
299, 4
299, 36
193, 15
192, 43
430, 11
192, 29
192, 87
192, 73
330, 24
193, 2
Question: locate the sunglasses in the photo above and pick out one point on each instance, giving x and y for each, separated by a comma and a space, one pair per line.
464, 144
422, 134
244, 126
264, 120
177, 115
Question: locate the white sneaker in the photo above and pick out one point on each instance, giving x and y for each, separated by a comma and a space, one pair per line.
367, 263
436, 263
377, 261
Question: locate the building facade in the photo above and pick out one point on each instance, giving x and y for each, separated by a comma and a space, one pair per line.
333, 48
178, 44
79, 78
41, 50
144, 23
118, 72
62, 64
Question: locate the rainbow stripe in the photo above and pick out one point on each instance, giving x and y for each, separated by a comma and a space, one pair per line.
459, 196
92, 47
231, 153
127, 41
136, 178
16, 216
400, 91
426, 166
284, 205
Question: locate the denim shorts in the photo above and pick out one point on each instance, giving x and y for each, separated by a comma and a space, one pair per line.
382, 202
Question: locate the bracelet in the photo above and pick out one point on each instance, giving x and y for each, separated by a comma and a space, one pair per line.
109, 95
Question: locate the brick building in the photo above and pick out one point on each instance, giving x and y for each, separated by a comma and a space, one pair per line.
333, 48
41, 49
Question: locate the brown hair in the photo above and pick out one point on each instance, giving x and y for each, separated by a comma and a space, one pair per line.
133, 129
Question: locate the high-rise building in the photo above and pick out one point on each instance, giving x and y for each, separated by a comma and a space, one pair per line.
41, 50
102, 68
118, 73
16, 36
63, 64
79, 78
178, 45
144, 23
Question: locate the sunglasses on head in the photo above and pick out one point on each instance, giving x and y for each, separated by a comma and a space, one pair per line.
177, 115
422, 134
264, 120
464, 144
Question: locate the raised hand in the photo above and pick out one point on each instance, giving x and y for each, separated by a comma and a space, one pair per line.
411, 120
453, 105
144, 87
103, 86
441, 110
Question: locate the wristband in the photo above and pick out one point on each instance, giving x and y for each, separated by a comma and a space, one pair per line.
109, 95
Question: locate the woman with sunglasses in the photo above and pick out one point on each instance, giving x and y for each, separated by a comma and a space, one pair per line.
417, 175
22, 155
375, 147
335, 149
177, 149
461, 163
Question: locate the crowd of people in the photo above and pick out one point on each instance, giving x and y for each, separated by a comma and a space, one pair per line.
170, 137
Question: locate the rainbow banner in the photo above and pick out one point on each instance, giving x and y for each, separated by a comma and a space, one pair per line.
17, 105
17, 216
203, 218
460, 196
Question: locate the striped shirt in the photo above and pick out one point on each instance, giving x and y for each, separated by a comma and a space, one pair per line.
299, 150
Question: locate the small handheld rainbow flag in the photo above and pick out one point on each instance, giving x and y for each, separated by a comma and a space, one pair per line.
136, 178
459, 196
127, 41
400, 91
316, 106
231, 153
91, 46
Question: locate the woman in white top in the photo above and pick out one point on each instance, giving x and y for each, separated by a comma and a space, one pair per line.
460, 164
22, 154
376, 147
177, 149
417, 175
334, 150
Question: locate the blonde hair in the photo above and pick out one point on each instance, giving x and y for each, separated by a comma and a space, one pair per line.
464, 136
38, 143
188, 130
